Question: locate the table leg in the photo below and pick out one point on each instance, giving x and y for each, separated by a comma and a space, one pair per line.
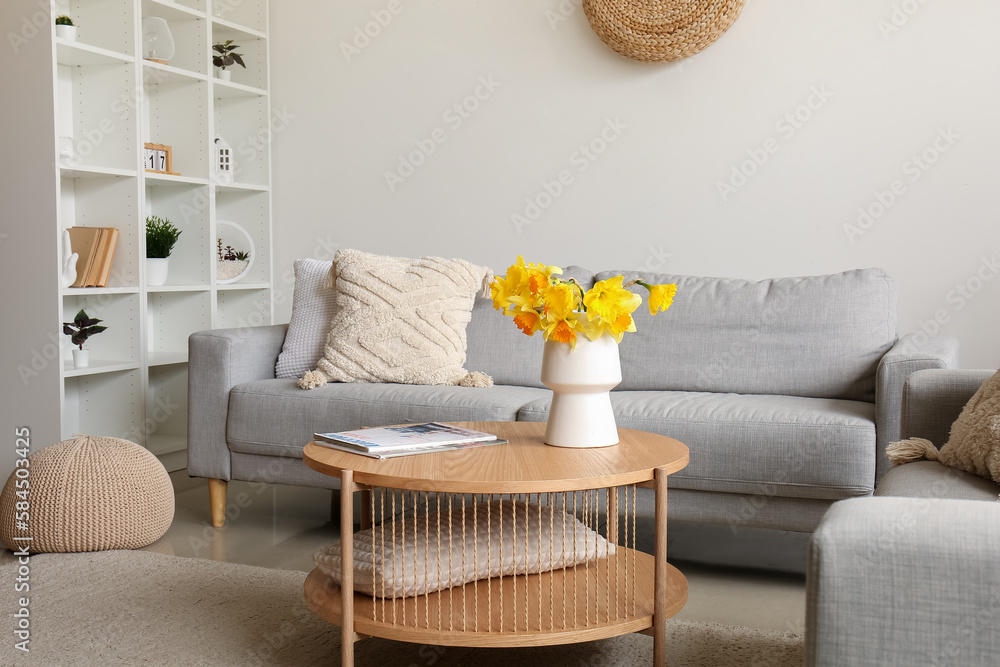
347, 636
660, 572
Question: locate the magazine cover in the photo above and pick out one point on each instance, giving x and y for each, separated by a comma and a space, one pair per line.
389, 438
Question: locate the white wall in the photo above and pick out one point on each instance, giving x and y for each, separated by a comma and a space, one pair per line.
881, 93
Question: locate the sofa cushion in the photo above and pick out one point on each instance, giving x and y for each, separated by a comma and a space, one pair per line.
313, 307
276, 418
498, 348
399, 320
930, 479
819, 336
765, 445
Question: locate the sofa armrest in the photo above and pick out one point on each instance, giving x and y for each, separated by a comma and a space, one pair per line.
933, 399
218, 360
904, 581
905, 357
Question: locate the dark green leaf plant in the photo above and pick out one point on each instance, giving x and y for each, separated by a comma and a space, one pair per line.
82, 328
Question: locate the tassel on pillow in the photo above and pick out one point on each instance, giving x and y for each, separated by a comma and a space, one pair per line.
311, 380
914, 449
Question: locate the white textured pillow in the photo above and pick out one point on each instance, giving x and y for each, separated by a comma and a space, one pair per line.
400, 320
313, 307
412, 565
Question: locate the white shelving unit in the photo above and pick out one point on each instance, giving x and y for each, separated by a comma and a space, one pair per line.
98, 95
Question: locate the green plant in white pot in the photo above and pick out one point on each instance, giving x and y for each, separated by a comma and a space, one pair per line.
79, 330
65, 27
161, 235
225, 56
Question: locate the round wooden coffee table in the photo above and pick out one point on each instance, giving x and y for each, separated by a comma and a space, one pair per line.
624, 592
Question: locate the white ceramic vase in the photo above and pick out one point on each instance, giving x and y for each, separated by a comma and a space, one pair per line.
223, 74
156, 270
81, 358
581, 381
66, 31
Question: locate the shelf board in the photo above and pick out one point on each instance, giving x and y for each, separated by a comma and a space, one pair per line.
241, 187
170, 11
244, 286
223, 30
176, 288
228, 89
78, 54
166, 444
171, 180
157, 73
91, 291
98, 366
87, 171
167, 358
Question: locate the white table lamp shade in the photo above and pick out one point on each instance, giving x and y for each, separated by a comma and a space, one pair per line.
157, 42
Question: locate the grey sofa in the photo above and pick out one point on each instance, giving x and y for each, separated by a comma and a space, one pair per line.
786, 391
912, 575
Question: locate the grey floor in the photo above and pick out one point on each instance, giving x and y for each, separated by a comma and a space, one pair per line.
280, 527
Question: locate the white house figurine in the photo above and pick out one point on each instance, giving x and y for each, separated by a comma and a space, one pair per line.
223, 161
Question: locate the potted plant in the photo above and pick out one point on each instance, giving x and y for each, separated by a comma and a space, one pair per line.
79, 330
226, 56
65, 27
232, 264
161, 235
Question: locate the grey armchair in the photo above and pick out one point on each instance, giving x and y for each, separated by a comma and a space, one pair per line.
912, 575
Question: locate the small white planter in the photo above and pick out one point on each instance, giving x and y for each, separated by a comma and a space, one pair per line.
223, 74
580, 380
156, 270
66, 32
81, 358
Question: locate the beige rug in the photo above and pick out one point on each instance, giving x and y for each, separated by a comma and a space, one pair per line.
140, 608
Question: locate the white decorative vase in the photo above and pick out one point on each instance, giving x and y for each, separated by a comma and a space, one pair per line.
157, 42
156, 270
223, 74
66, 31
81, 358
580, 380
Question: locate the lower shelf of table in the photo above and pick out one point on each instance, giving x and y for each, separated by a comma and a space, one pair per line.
579, 604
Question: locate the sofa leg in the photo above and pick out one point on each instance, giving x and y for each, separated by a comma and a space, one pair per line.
217, 498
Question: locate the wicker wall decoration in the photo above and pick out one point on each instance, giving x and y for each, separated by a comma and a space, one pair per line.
656, 31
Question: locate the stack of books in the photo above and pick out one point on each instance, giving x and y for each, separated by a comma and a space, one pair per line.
391, 441
96, 248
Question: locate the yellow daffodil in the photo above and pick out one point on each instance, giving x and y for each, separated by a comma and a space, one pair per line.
528, 322
562, 332
660, 296
539, 300
540, 276
607, 301
561, 300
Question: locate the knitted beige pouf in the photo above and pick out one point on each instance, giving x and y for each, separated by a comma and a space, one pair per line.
88, 494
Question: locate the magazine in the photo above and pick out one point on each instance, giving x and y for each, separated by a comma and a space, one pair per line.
397, 438
416, 449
